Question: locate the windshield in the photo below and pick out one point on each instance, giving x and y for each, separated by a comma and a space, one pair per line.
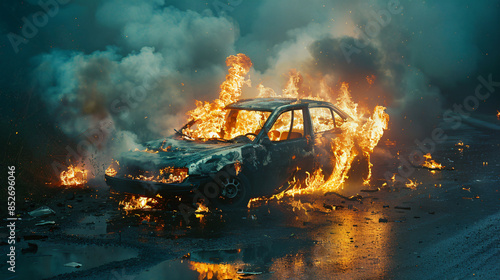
234, 124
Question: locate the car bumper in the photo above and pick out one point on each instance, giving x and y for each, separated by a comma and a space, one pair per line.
149, 188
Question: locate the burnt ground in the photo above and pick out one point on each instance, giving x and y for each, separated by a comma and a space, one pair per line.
446, 228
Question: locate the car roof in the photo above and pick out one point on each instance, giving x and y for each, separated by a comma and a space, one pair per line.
270, 104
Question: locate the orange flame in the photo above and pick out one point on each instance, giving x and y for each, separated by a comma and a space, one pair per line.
212, 114
366, 134
74, 176
140, 202
201, 210
110, 171
167, 175
359, 136
412, 184
363, 133
498, 115
430, 163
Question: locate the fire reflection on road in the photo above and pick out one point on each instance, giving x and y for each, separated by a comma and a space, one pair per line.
341, 248
349, 243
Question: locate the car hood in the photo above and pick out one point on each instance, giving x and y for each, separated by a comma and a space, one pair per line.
199, 157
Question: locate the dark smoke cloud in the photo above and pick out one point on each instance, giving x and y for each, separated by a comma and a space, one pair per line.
140, 64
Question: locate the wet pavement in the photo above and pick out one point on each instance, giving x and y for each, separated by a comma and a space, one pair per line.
445, 228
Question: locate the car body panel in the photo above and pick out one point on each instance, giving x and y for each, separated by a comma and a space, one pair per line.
265, 164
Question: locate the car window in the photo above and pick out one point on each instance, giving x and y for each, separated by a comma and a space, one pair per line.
243, 122
289, 125
339, 121
322, 119
237, 123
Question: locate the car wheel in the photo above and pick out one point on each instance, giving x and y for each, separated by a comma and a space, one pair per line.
234, 193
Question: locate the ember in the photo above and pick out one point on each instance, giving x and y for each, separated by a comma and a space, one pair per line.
370, 79
201, 210
412, 184
407, 183
431, 164
166, 175
140, 202
110, 171
74, 176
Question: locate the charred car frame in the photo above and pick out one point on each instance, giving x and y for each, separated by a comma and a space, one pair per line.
279, 143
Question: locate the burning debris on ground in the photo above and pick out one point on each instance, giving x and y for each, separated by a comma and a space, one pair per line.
431, 164
74, 176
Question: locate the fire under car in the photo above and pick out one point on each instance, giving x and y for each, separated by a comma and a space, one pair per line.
262, 144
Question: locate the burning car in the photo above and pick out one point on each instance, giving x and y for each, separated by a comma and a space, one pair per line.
260, 145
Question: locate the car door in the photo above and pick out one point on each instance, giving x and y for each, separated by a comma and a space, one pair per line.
325, 127
289, 149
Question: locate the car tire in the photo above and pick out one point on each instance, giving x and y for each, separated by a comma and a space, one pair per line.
234, 192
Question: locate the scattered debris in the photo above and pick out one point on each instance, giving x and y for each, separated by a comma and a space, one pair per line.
402, 208
43, 223
73, 264
240, 271
42, 211
382, 220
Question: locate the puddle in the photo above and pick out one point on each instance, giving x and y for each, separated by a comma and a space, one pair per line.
49, 259
225, 264
352, 247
